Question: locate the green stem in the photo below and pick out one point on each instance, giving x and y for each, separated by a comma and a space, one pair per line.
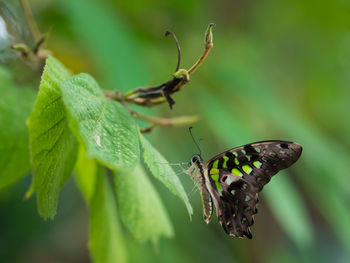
208, 46
33, 27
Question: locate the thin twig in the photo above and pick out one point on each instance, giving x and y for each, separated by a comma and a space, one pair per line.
167, 122
167, 33
155, 121
33, 27
148, 129
208, 46
162, 93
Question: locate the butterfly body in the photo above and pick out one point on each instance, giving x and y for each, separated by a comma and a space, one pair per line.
232, 180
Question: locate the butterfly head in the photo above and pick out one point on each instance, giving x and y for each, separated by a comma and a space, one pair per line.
195, 166
196, 162
196, 159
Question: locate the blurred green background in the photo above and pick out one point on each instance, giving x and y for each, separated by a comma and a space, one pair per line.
278, 70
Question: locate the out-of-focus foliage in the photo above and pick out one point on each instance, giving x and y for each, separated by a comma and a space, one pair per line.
86, 174
14, 133
141, 210
105, 232
278, 70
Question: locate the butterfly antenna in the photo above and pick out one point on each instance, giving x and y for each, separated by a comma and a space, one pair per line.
200, 151
167, 33
201, 145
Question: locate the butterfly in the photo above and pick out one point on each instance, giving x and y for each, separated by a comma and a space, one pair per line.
233, 179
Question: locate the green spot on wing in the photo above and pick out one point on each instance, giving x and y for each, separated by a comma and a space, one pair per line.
218, 186
236, 161
215, 177
247, 169
225, 161
214, 171
235, 171
215, 164
257, 164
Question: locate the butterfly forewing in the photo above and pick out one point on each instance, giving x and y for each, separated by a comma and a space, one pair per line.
236, 176
257, 162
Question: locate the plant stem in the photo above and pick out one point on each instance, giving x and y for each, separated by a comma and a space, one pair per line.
155, 121
167, 122
33, 27
148, 129
208, 46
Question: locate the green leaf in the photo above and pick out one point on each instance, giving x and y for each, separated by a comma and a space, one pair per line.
106, 128
15, 105
53, 146
105, 238
85, 174
140, 207
161, 170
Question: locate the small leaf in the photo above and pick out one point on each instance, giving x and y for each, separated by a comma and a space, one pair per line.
53, 146
106, 128
140, 207
161, 170
15, 105
85, 174
105, 238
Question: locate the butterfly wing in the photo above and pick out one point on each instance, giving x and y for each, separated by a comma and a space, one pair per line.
236, 176
236, 204
257, 162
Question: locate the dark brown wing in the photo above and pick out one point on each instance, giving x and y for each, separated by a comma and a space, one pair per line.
237, 175
236, 204
257, 162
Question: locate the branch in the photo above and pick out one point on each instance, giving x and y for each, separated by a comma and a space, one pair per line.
152, 96
177, 121
208, 46
33, 27
156, 95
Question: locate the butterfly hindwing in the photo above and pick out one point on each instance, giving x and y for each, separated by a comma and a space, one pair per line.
236, 204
